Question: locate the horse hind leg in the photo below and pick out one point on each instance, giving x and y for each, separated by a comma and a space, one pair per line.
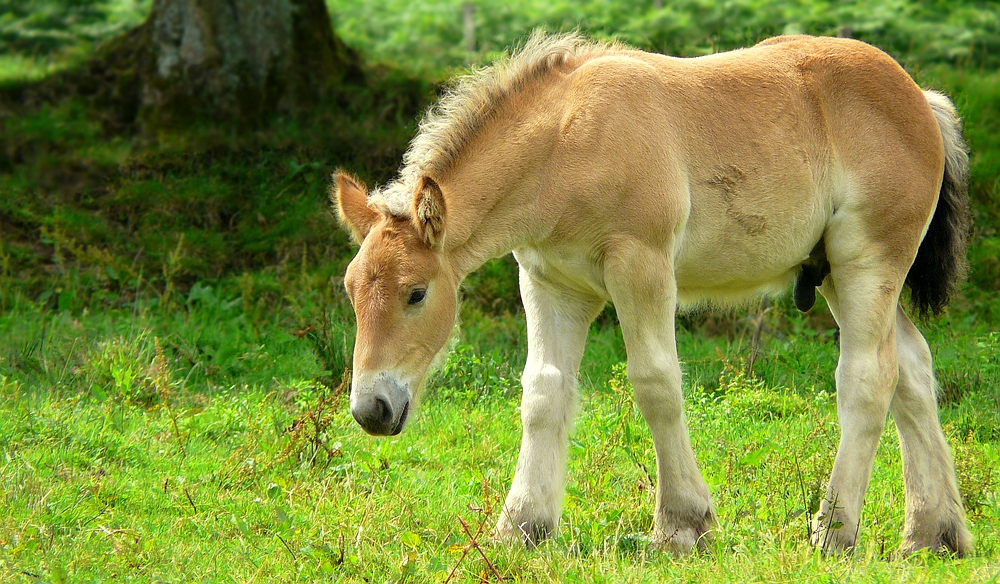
862, 296
935, 518
885, 365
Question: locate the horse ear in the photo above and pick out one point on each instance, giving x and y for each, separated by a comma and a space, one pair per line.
353, 211
429, 212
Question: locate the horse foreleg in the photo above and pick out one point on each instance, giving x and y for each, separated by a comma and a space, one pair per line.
557, 331
642, 286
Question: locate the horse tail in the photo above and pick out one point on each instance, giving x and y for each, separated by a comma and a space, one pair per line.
941, 265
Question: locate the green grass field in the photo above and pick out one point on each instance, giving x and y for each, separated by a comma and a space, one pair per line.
208, 443
174, 340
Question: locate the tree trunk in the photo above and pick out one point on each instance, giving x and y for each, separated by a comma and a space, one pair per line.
469, 27
238, 61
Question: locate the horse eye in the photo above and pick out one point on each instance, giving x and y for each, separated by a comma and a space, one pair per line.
417, 296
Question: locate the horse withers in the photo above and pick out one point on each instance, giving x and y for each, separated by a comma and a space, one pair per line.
656, 183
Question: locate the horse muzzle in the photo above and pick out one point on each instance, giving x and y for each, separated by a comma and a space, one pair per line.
380, 406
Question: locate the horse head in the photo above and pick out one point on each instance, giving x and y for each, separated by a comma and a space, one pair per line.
405, 297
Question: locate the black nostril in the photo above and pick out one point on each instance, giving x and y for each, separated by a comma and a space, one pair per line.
383, 412
402, 420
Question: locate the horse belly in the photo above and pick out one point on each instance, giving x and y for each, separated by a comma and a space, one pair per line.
736, 248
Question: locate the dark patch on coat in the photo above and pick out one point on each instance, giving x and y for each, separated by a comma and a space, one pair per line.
728, 183
814, 270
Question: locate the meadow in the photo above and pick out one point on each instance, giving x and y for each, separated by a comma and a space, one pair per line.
175, 340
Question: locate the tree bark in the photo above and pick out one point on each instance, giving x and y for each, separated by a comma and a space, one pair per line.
469, 27
241, 61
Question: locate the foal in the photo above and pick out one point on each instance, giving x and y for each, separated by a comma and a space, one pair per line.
656, 182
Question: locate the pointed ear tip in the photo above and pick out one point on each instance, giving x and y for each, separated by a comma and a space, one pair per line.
429, 194
428, 182
343, 179
429, 212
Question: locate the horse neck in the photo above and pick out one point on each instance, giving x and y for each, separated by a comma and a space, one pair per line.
492, 211
486, 222
494, 192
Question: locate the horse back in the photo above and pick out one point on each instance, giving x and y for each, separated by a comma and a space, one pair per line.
744, 157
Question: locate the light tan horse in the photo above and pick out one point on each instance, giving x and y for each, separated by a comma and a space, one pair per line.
656, 182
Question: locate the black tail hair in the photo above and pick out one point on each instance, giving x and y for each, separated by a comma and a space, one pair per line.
941, 265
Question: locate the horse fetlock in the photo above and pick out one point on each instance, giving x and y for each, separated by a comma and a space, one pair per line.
527, 531
949, 536
681, 533
832, 531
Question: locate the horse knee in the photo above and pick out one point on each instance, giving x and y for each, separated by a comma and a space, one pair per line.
657, 389
547, 398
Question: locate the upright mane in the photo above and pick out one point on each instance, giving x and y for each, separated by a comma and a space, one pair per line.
473, 99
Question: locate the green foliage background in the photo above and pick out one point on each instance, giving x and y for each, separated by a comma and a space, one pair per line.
427, 35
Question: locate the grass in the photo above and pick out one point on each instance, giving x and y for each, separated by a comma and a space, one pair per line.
211, 441
41, 37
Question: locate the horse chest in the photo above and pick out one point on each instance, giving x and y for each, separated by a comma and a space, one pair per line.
563, 267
